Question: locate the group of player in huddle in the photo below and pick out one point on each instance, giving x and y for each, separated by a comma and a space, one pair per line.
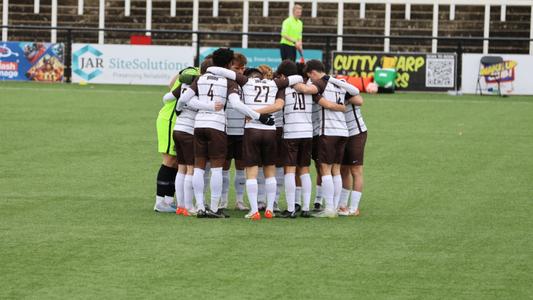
271, 124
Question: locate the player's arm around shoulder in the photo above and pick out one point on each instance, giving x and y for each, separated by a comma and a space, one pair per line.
277, 106
317, 98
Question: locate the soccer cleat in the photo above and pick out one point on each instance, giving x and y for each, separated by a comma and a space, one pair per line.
164, 207
288, 214
297, 207
214, 215
343, 211
179, 211
261, 206
253, 216
269, 214
276, 208
239, 205
201, 214
305, 214
318, 207
327, 213
222, 211
354, 213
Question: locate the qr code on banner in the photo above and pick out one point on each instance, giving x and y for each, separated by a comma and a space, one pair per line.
440, 71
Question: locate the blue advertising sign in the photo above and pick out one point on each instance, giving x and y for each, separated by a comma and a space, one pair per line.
31, 61
263, 56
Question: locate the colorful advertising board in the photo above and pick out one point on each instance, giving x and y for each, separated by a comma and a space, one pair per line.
32, 61
129, 64
415, 71
513, 74
260, 56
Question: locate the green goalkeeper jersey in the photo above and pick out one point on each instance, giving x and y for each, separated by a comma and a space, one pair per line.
167, 112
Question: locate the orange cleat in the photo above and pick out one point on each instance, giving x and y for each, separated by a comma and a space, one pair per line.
254, 217
269, 214
180, 211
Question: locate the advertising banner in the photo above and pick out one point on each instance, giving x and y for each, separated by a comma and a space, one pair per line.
32, 61
128, 64
415, 71
263, 56
513, 74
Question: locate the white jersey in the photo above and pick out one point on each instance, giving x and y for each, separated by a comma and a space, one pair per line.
185, 121
332, 123
354, 120
297, 114
259, 93
210, 88
235, 120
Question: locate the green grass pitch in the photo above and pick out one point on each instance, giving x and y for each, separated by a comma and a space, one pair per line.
447, 210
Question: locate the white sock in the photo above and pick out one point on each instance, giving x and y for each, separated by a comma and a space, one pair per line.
240, 183
206, 173
337, 185
279, 182
251, 190
298, 196
178, 185
356, 197
327, 191
270, 189
290, 189
216, 187
261, 195
318, 196
159, 199
225, 189
306, 191
198, 187
188, 192
345, 195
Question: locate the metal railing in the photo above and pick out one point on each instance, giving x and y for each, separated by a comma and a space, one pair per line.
329, 38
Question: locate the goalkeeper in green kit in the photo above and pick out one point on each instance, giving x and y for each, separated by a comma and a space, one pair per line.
165, 125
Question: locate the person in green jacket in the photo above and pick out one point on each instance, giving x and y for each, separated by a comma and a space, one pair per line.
291, 34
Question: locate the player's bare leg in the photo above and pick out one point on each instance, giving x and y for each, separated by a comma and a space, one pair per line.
357, 174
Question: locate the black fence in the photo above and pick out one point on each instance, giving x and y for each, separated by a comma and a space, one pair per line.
68, 34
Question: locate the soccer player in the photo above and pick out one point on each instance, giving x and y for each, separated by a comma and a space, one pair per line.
183, 139
235, 132
259, 144
166, 176
352, 163
333, 133
266, 70
210, 139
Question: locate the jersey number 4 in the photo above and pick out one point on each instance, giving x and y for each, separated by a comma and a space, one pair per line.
210, 92
258, 89
299, 101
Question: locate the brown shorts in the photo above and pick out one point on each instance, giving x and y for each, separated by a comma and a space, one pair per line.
259, 147
314, 152
355, 150
331, 149
210, 143
184, 144
234, 147
279, 138
297, 152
